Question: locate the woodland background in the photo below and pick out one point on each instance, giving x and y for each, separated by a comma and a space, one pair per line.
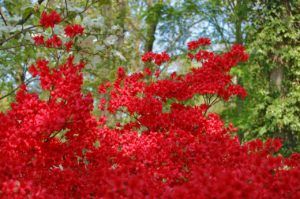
118, 32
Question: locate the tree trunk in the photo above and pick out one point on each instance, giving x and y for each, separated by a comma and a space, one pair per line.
151, 28
19, 74
276, 76
121, 21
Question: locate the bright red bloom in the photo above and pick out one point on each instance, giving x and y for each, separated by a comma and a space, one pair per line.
68, 45
121, 73
173, 75
204, 107
108, 84
165, 57
196, 44
157, 73
54, 41
147, 57
102, 89
277, 144
73, 30
33, 70
191, 56
159, 58
50, 20
38, 40
102, 103
147, 71
102, 120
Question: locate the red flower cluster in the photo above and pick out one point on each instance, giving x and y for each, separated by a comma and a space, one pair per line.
196, 44
159, 58
162, 148
121, 73
103, 87
50, 20
54, 41
38, 40
147, 71
68, 45
73, 30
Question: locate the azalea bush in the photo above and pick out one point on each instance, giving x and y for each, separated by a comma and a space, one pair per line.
56, 148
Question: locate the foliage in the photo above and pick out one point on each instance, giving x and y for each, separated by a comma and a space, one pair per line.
20, 24
56, 148
272, 79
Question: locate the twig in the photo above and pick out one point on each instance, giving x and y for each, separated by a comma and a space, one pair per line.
58, 48
26, 29
18, 33
29, 15
67, 7
179, 36
27, 82
46, 6
3, 16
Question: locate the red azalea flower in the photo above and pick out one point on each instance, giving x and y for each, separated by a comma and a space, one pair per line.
68, 45
157, 73
50, 20
121, 73
191, 56
173, 75
147, 71
277, 144
54, 41
73, 30
196, 44
38, 40
159, 58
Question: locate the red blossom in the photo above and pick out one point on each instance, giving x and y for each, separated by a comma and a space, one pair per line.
277, 144
38, 40
147, 71
196, 44
102, 89
173, 75
191, 56
204, 107
159, 58
54, 41
107, 84
157, 73
50, 20
73, 30
102, 120
121, 73
32, 69
147, 57
68, 45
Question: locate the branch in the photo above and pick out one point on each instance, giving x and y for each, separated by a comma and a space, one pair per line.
29, 15
26, 29
218, 28
3, 15
26, 83
179, 36
18, 33
135, 117
67, 7
137, 31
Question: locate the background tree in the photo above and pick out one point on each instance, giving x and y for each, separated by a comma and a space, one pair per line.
273, 104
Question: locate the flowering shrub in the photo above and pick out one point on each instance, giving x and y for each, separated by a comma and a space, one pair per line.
174, 151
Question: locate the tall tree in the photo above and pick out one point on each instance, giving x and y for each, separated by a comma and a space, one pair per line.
274, 92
